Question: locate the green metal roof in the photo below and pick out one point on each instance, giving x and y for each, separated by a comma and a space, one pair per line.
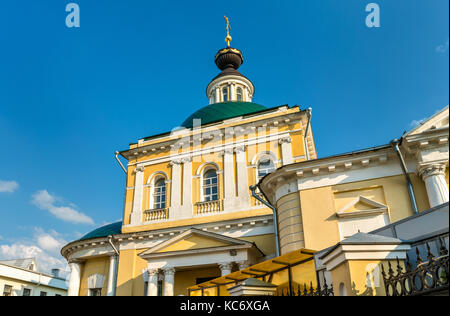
222, 111
104, 231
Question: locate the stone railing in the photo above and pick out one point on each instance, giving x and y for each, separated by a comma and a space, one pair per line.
209, 207
156, 214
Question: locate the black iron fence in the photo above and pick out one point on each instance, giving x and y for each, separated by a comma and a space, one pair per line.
318, 291
428, 278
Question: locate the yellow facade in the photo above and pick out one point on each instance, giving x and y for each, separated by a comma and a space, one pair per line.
195, 226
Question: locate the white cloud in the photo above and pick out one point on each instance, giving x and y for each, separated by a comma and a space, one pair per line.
46, 201
442, 48
8, 186
416, 123
44, 246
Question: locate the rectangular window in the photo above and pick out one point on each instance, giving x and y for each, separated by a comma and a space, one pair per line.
159, 195
26, 292
7, 290
43, 293
210, 188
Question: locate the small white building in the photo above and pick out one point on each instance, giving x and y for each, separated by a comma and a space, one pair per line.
21, 277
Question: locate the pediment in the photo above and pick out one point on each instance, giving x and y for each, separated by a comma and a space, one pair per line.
196, 240
438, 120
361, 206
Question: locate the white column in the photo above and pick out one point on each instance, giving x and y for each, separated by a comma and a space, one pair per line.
112, 275
74, 280
217, 94
136, 214
187, 188
152, 286
228, 179
246, 95
286, 150
242, 177
225, 268
434, 177
169, 281
232, 91
175, 194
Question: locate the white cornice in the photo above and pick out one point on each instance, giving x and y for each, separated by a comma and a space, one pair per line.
217, 149
208, 133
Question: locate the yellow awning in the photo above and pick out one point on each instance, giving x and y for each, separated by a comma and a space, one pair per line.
263, 268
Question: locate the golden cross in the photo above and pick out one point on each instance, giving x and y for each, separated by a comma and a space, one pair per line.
228, 38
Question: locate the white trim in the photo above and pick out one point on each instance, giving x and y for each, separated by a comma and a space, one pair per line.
200, 170
365, 252
217, 149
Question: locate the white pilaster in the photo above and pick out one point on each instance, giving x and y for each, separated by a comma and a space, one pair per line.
228, 179
136, 214
169, 281
434, 177
217, 94
186, 210
225, 268
175, 194
286, 150
152, 286
112, 275
74, 280
233, 91
242, 177
246, 95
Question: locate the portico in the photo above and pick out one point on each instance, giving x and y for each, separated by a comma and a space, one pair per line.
196, 249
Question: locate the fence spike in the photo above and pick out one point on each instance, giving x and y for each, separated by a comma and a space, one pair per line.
430, 255
419, 258
399, 268
383, 272
443, 250
390, 271
408, 264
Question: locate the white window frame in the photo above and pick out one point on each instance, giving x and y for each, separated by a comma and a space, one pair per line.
204, 186
154, 194
261, 159
225, 89
242, 94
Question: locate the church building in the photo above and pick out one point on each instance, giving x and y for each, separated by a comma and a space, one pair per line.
236, 197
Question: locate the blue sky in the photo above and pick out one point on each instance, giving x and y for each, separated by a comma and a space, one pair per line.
70, 97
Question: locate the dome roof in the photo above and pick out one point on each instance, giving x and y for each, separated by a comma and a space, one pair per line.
104, 231
222, 111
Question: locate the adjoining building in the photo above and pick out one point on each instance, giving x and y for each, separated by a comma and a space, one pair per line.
21, 277
236, 202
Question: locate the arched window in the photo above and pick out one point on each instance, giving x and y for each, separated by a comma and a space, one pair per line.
265, 166
159, 194
210, 185
225, 94
239, 94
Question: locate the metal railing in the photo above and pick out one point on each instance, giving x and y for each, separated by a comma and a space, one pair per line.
156, 214
428, 278
208, 207
318, 291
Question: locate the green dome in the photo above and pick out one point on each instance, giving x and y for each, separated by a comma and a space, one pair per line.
104, 231
222, 111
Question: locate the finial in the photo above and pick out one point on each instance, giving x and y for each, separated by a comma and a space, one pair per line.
228, 38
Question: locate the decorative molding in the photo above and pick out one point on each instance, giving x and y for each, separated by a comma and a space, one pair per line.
429, 170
